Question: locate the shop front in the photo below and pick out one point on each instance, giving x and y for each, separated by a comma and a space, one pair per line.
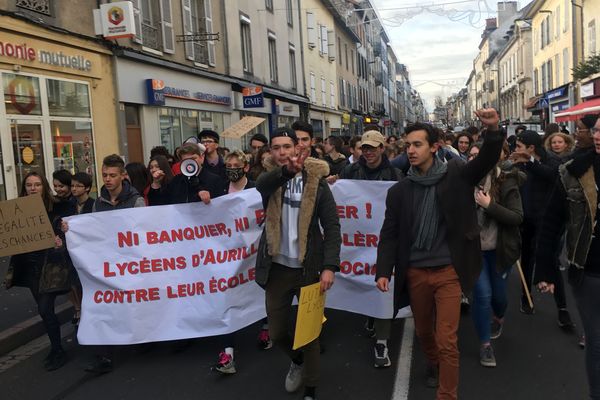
57, 94
164, 107
557, 100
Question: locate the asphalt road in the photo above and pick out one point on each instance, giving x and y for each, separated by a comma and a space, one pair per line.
536, 360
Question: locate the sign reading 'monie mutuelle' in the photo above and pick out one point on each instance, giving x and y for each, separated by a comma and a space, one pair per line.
56, 58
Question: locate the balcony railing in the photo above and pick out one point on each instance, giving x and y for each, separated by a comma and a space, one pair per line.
151, 36
201, 52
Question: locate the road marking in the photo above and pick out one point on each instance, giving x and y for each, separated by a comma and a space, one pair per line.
402, 380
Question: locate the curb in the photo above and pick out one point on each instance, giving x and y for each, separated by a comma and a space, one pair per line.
26, 331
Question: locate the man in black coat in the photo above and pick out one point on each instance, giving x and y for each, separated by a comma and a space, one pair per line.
203, 186
430, 242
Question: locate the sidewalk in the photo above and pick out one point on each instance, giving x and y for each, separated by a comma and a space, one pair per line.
19, 320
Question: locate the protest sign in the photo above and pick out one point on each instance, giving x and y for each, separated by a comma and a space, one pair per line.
24, 226
187, 270
311, 307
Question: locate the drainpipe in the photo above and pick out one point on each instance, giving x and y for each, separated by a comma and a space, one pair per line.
304, 113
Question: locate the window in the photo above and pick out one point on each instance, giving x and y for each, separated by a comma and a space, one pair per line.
352, 60
313, 90
566, 19
269, 5
592, 37
557, 70
341, 86
331, 94
21, 94
549, 72
311, 30
323, 44
197, 19
293, 77
557, 32
323, 92
339, 50
567, 75
346, 55
246, 44
68, 99
154, 24
273, 56
72, 146
289, 12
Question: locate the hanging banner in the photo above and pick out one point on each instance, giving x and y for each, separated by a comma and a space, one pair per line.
187, 270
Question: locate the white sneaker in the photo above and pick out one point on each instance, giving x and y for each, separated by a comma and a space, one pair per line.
293, 380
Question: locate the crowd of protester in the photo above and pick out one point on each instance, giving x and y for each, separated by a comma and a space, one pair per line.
525, 202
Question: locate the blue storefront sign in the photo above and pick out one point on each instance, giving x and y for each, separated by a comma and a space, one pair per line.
155, 91
560, 106
253, 97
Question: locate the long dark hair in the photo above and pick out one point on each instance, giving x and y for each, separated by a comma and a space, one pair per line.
138, 176
163, 164
47, 196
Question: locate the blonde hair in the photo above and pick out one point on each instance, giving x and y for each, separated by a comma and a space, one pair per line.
240, 156
568, 140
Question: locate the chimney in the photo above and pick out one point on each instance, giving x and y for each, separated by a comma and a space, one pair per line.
490, 24
506, 11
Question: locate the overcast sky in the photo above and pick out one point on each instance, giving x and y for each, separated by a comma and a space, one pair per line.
438, 52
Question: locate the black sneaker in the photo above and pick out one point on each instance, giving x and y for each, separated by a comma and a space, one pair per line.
432, 376
486, 356
370, 327
101, 365
564, 319
56, 360
526, 308
382, 359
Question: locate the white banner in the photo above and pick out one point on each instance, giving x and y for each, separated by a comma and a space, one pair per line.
182, 271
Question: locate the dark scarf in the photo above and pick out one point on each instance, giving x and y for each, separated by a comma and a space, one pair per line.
428, 218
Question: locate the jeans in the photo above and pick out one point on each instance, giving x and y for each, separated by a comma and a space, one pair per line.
45, 303
285, 283
489, 295
435, 295
588, 302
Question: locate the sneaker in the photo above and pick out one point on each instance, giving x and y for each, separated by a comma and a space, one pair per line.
226, 364
464, 303
264, 340
101, 365
382, 360
309, 394
526, 308
56, 359
370, 327
432, 376
582, 341
486, 356
293, 379
564, 319
496, 330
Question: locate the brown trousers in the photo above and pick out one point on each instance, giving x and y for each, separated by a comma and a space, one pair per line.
435, 303
284, 283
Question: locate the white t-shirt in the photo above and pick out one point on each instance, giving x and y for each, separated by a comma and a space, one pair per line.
290, 212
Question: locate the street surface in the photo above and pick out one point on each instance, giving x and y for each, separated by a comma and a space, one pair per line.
536, 360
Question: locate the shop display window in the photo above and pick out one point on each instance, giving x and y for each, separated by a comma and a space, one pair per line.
21, 94
72, 147
68, 99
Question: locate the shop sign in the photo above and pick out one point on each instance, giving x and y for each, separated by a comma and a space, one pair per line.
345, 118
560, 106
24, 52
115, 20
157, 92
253, 97
587, 90
560, 92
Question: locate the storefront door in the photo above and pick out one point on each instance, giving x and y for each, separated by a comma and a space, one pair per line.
27, 151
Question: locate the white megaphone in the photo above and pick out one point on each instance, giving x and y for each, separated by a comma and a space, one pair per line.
189, 167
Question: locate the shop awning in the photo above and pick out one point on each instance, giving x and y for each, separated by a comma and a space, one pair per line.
532, 102
576, 112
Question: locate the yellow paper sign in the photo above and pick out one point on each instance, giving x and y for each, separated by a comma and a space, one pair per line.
24, 226
310, 315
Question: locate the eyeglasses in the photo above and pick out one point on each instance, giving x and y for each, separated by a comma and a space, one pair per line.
367, 149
